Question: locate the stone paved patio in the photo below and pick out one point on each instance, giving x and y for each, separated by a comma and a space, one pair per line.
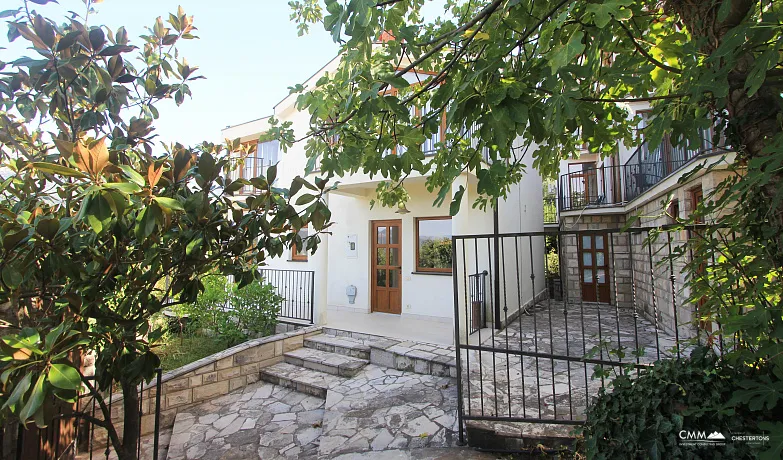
551, 388
378, 409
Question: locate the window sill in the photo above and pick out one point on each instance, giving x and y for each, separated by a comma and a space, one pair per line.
298, 260
432, 273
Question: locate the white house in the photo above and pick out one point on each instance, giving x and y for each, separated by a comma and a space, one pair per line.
369, 274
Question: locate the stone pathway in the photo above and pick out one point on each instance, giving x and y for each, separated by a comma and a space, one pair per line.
260, 421
376, 409
385, 408
549, 388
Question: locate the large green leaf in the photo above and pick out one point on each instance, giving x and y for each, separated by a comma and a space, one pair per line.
65, 377
20, 389
169, 204
51, 168
563, 54
125, 187
603, 11
36, 399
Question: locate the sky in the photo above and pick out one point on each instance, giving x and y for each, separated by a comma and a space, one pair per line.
248, 51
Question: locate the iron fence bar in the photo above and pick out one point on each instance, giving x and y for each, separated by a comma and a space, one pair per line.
111, 394
558, 356
535, 324
141, 402
674, 295
652, 291
519, 319
717, 318
564, 274
467, 329
91, 427
156, 437
481, 361
582, 314
596, 283
633, 298
505, 312
495, 315
612, 256
455, 287
496, 271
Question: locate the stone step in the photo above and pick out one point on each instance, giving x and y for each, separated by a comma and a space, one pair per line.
414, 357
303, 380
341, 345
519, 436
402, 355
325, 361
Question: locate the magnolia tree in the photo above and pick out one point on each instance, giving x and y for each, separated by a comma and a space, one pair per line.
99, 229
559, 75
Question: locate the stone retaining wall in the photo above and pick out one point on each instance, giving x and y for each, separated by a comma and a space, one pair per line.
209, 377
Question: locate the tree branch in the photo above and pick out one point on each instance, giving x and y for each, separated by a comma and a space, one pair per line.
644, 52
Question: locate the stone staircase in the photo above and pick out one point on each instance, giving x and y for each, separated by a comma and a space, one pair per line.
329, 358
341, 392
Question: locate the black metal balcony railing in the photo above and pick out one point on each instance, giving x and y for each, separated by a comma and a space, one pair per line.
647, 168
617, 185
591, 187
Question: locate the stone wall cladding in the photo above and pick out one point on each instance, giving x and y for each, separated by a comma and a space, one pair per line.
652, 291
619, 262
209, 377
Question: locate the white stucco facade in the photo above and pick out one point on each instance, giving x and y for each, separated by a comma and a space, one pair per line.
427, 305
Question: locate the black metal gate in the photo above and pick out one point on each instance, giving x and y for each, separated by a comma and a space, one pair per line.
71, 432
548, 355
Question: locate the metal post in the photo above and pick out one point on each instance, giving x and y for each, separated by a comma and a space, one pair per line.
496, 269
156, 436
455, 286
312, 297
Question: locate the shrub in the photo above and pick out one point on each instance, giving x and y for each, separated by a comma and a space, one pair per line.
641, 416
232, 314
256, 307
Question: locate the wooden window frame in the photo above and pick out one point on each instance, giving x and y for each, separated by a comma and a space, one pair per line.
427, 269
297, 256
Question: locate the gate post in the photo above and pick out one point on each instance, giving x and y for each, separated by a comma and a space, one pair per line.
454, 275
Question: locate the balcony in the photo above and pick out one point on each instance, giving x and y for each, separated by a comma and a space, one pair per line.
616, 185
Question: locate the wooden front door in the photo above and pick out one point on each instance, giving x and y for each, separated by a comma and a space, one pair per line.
387, 266
593, 268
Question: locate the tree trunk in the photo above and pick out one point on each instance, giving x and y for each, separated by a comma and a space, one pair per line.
130, 433
752, 120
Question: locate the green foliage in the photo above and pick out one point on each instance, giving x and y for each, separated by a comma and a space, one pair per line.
642, 416
435, 253
176, 350
556, 74
233, 314
539, 79
100, 228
